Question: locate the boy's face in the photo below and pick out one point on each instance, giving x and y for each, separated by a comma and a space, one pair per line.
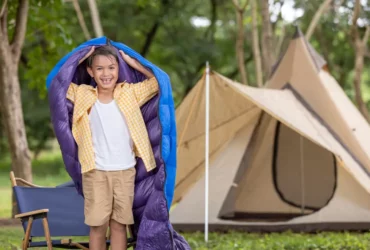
104, 70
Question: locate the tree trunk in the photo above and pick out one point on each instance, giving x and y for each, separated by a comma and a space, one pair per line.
94, 11
81, 19
10, 93
268, 54
359, 66
360, 45
256, 45
315, 20
240, 42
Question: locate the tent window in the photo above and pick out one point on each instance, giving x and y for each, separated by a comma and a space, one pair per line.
304, 173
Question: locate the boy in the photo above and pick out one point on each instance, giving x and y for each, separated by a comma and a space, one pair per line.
110, 131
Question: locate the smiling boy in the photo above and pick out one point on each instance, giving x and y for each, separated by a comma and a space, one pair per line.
110, 132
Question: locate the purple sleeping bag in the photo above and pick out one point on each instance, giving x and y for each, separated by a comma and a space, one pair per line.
154, 189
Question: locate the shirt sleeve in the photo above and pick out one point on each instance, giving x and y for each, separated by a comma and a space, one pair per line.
145, 90
71, 92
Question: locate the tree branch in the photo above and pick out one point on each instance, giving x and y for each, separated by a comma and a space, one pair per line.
366, 36
95, 17
20, 29
211, 28
238, 7
236, 71
324, 6
268, 55
367, 53
236, 4
81, 19
4, 25
360, 49
244, 6
153, 31
256, 47
356, 13
149, 38
239, 45
2, 10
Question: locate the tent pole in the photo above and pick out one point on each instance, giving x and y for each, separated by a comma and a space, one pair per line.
302, 176
206, 155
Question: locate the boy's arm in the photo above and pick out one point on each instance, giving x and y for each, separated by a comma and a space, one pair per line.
71, 92
136, 65
144, 90
72, 89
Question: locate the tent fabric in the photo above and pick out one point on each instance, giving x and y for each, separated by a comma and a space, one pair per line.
154, 189
298, 160
228, 114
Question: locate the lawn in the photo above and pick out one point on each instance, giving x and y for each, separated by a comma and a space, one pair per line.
48, 171
10, 239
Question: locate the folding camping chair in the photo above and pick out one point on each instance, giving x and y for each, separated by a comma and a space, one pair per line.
52, 212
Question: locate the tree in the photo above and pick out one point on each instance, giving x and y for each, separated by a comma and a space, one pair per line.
360, 45
256, 45
10, 93
315, 20
95, 17
268, 54
239, 9
81, 19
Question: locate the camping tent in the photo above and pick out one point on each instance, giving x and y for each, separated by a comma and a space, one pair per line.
293, 155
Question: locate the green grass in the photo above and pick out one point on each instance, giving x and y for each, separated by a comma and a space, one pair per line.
10, 238
46, 164
48, 170
5, 189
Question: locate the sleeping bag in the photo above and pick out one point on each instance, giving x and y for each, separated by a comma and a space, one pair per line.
153, 190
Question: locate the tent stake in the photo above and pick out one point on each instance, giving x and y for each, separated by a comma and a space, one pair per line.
207, 155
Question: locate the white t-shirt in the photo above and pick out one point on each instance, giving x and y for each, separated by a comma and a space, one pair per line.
113, 145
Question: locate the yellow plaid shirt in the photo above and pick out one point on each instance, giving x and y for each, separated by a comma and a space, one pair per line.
129, 97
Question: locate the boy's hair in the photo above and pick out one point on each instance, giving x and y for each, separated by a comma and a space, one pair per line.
106, 50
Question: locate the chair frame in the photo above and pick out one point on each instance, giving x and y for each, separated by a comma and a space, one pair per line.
43, 215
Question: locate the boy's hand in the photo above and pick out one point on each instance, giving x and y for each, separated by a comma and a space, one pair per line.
129, 60
87, 55
135, 64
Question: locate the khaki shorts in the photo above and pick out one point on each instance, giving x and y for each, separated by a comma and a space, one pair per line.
108, 195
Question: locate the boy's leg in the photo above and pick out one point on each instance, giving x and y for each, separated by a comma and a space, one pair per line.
123, 198
118, 236
98, 237
98, 193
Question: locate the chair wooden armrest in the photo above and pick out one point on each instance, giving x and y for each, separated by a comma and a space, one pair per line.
14, 181
34, 213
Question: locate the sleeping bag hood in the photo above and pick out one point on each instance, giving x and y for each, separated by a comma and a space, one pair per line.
153, 190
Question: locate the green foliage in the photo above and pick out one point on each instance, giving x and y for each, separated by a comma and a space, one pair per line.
47, 41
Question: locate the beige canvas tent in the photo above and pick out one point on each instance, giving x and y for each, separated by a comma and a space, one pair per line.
294, 155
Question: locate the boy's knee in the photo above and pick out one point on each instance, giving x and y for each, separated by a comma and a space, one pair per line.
116, 226
101, 230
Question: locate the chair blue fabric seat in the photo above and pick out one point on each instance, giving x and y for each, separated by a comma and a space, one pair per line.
67, 184
66, 210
